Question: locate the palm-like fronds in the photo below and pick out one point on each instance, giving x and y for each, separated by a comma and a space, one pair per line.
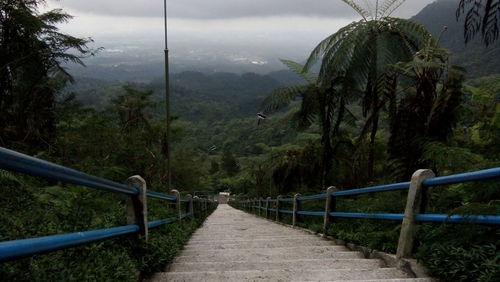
281, 97
356, 48
426, 112
310, 77
373, 11
480, 16
358, 8
362, 54
325, 104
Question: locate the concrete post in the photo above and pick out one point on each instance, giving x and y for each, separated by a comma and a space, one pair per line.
260, 206
267, 206
296, 207
196, 203
330, 206
413, 206
278, 217
190, 205
137, 208
177, 203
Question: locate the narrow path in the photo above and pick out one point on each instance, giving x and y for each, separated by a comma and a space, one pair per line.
235, 246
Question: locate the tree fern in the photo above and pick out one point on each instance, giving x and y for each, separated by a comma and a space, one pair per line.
362, 54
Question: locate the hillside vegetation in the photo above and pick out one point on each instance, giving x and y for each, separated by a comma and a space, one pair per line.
375, 101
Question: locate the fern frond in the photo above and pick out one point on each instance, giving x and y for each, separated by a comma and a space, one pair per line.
299, 69
388, 7
281, 97
329, 43
337, 59
414, 35
491, 22
363, 12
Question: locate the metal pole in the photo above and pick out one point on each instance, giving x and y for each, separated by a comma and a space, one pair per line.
167, 99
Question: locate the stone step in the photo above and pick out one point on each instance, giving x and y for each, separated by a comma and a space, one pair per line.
253, 257
265, 231
254, 229
301, 250
284, 275
246, 238
228, 236
259, 244
234, 246
275, 265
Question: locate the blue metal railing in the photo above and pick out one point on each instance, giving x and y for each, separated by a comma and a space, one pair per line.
17, 162
486, 174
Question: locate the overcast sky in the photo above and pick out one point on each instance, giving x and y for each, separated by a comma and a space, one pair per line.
227, 23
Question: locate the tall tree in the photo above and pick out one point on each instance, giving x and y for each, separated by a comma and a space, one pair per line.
32, 54
325, 104
426, 112
361, 54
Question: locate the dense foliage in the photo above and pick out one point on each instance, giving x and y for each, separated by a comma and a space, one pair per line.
123, 138
32, 51
386, 102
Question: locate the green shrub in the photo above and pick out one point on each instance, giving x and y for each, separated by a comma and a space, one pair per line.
28, 211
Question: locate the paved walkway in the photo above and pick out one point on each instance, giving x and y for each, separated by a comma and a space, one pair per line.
236, 246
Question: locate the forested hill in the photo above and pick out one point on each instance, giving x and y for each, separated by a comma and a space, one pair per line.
196, 95
474, 56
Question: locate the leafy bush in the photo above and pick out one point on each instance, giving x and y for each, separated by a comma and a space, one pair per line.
460, 252
28, 211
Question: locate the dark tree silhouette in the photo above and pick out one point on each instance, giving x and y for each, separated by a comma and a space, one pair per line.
481, 16
32, 53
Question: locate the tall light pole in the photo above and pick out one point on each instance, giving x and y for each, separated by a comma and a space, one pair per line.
167, 100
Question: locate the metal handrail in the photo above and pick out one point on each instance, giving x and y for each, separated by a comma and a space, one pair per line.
485, 174
18, 162
14, 161
312, 197
373, 189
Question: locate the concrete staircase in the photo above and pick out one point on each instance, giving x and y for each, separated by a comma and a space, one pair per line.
235, 246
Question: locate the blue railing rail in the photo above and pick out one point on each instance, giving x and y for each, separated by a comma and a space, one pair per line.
414, 211
136, 208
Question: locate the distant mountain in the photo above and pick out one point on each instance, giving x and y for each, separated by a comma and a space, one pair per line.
474, 56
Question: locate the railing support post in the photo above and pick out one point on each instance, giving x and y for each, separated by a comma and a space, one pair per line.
278, 208
196, 203
330, 206
190, 205
413, 206
177, 203
260, 206
137, 208
267, 206
296, 207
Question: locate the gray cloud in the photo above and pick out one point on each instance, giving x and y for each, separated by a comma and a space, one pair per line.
226, 9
